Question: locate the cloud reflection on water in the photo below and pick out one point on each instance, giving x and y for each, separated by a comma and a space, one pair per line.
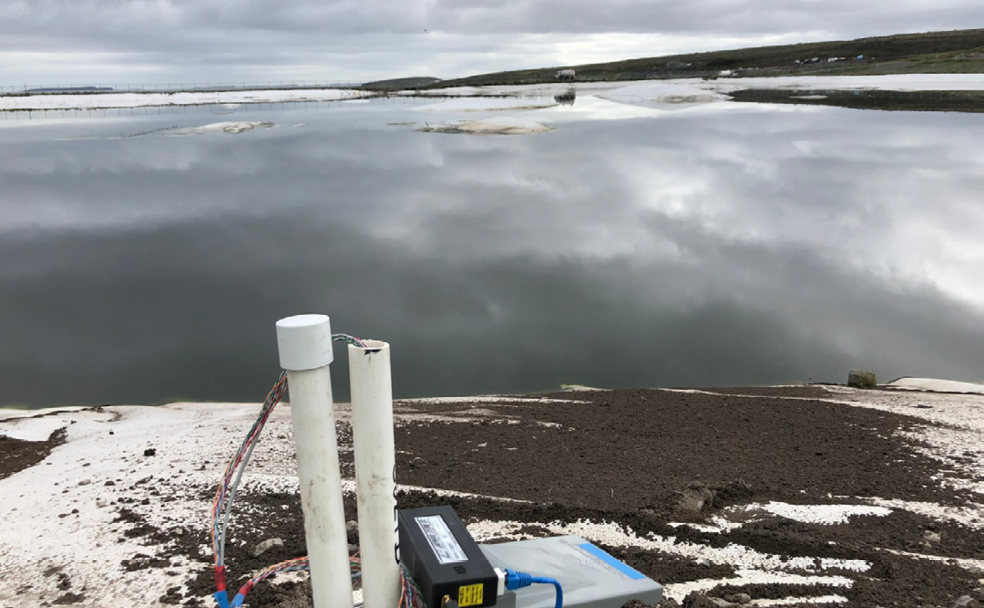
705, 247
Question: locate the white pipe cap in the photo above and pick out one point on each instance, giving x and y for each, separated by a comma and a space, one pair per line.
304, 342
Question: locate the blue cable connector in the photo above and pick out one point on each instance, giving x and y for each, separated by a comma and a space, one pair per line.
518, 580
221, 598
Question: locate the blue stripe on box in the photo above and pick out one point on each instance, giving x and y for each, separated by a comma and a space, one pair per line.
614, 563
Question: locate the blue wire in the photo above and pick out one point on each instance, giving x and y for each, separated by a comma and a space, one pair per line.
518, 580
549, 581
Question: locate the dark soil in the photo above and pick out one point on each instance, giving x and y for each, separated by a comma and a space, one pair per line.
907, 101
666, 568
633, 458
17, 454
628, 450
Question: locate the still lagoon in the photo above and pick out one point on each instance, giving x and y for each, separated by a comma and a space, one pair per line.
145, 260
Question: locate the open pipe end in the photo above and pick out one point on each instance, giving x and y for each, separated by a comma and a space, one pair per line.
371, 346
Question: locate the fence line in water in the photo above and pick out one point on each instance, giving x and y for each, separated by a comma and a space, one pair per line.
209, 108
171, 87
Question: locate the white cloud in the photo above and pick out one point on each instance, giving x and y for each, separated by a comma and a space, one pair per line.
230, 40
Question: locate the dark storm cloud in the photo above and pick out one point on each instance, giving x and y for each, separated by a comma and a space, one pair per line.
116, 40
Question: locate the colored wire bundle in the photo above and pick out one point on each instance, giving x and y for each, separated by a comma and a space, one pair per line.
292, 565
226, 492
348, 340
410, 596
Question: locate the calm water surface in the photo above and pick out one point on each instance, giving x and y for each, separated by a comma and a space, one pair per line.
729, 244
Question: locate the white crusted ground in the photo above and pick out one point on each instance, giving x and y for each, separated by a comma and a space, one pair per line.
939, 386
139, 100
59, 513
222, 127
497, 125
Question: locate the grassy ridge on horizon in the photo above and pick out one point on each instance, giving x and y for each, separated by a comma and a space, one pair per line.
409, 82
960, 51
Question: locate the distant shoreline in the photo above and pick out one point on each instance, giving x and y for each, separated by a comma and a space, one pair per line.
939, 92
113, 100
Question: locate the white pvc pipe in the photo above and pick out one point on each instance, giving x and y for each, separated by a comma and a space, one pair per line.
306, 352
375, 472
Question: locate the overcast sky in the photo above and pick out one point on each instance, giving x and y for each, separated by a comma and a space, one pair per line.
119, 41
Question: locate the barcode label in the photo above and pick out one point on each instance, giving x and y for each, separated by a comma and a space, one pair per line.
439, 536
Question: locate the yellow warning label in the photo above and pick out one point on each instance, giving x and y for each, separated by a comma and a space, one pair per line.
470, 595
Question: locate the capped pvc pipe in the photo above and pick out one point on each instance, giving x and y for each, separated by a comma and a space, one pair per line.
375, 472
305, 348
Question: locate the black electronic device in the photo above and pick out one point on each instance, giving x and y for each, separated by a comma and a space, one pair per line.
444, 559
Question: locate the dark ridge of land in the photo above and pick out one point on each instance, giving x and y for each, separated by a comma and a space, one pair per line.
412, 82
959, 52
904, 101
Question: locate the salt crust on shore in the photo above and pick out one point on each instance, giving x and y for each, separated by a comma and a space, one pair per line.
498, 125
141, 100
193, 442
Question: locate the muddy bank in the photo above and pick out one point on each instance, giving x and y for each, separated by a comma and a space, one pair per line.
906, 101
776, 493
